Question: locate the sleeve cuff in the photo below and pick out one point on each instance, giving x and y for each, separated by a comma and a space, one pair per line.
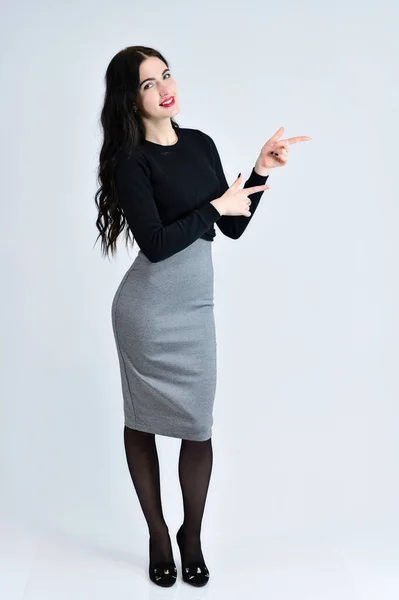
257, 179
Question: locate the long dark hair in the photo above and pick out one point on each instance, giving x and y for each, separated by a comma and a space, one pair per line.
123, 130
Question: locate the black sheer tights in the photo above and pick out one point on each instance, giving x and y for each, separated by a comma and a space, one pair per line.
195, 467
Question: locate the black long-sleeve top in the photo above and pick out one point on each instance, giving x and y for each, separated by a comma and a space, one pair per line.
165, 194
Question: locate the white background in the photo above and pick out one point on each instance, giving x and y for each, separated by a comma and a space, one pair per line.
304, 495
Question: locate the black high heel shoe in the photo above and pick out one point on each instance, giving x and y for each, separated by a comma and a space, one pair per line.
163, 573
195, 572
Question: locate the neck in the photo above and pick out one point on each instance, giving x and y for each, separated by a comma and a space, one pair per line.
160, 132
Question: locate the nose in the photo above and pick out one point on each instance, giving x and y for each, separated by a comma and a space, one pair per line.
165, 92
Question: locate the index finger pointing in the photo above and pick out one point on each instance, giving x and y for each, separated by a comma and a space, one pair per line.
255, 188
299, 138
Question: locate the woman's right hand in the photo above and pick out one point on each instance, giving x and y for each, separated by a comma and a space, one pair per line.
235, 202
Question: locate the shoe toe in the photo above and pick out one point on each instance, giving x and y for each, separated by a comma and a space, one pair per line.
163, 576
197, 575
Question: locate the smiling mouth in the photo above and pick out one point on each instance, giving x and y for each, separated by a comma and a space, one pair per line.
169, 102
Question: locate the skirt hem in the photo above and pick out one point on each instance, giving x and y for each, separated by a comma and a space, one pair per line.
168, 432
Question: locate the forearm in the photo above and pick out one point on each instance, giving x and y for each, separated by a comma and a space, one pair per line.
234, 226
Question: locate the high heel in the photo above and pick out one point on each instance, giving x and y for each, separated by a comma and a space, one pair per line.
195, 572
163, 573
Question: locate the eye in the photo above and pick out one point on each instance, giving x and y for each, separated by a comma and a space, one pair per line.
166, 75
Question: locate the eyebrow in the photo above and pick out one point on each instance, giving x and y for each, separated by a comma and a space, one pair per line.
152, 78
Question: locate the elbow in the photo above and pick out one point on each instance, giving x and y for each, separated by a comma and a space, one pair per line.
235, 235
150, 251
153, 254
152, 257
229, 232
156, 249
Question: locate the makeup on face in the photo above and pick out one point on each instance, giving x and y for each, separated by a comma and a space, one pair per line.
170, 101
156, 91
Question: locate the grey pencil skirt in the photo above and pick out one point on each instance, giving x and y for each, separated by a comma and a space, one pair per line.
164, 328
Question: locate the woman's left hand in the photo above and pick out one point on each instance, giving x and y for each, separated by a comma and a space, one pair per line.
275, 152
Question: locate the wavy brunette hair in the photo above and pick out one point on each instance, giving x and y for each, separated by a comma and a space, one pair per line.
123, 130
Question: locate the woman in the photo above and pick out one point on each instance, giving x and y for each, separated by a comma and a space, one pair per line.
166, 185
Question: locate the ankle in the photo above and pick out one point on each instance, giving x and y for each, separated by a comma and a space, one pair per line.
158, 532
189, 533
160, 550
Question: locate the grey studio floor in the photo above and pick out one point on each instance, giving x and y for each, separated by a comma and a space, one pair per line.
49, 566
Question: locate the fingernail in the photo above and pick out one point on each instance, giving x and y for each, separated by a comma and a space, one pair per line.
239, 175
